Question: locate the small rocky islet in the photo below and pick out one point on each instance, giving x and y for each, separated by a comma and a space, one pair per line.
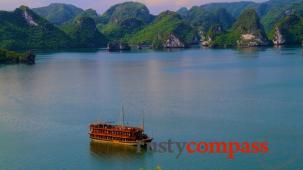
11, 57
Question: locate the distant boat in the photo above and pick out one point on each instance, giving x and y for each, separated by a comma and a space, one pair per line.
118, 46
119, 134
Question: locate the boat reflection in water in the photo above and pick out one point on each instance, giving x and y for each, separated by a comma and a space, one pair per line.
111, 150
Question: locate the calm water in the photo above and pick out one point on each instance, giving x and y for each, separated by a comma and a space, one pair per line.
196, 94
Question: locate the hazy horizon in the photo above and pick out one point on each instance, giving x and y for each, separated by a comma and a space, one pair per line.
155, 6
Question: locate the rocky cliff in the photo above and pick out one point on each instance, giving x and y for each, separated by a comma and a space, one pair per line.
289, 30
278, 38
250, 29
173, 42
207, 39
246, 32
168, 30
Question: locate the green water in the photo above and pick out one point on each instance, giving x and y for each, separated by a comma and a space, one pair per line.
195, 94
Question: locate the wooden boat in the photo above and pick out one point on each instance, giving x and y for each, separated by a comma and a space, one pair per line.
118, 134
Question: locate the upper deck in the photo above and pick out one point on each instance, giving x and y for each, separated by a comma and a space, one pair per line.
111, 127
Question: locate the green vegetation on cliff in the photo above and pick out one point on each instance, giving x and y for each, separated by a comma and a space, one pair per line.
126, 10
84, 33
247, 31
116, 31
203, 19
269, 11
275, 10
248, 22
290, 29
123, 19
91, 14
159, 30
233, 8
58, 13
23, 29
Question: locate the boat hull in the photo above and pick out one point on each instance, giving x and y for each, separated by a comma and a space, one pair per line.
132, 143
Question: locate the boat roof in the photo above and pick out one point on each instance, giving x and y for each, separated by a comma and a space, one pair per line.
116, 126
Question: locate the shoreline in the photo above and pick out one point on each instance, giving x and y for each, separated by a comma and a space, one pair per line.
84, 50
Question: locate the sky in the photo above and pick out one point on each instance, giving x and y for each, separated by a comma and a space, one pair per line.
155, 6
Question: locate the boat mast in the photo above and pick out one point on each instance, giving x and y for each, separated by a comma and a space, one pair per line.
123, 115
143, 120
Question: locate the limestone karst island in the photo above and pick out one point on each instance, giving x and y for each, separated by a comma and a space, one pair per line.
130, 25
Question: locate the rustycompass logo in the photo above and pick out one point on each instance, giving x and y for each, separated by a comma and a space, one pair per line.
231, 149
